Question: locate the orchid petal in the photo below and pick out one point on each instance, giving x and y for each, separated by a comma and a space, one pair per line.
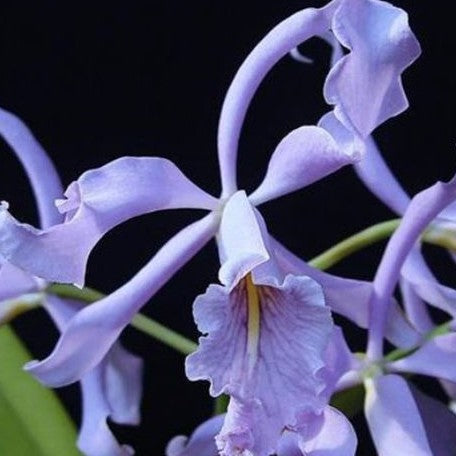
275, 45
200, 443
393, 418
95, 437
123, 385
365, 86
92, 332
415, 308
379, 179
372, 169
98, 201
440, 424
303, 157
274, 381
15, 282
338, 360
40, 170
348, 297
417, 274
436, 358
112, 389
241, 250
336, 437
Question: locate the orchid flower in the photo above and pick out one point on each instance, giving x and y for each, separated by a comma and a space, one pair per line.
113, 387
403, 420
268, 311
262, 313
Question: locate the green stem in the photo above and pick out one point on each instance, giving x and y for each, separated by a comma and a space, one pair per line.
375, 233
163, 334
352, 244
141, 322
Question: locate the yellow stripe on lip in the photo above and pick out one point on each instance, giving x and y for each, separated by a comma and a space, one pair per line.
253, 321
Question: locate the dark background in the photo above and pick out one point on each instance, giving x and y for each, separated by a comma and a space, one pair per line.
104, 80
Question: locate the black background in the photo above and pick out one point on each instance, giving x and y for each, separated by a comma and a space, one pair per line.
101, 80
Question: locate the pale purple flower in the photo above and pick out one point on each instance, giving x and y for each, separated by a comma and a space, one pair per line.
417, 280
262, 317
264, 402
398, 420
111, 389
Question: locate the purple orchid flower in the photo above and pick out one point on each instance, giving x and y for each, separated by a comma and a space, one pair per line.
401, 420
257, 286
260, 305
418, 281
111, 389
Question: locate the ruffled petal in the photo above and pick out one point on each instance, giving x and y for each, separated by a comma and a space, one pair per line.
365, 86
91, 333
393, 418
98, 201
272, 371
303, 157
440, 424
275, 45
435, 358
40, 170
200, 443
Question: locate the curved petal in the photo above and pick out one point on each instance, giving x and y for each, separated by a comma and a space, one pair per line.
423, 208
372, 169
123, 385
365, 86
440, 423
348, 297
98, 201
420, 278
336, 437
15, 282
393, 418
112, 389
303, 157
95, 437
40, 170
271, 370
378, 178
435, 358
200, 443
240, 249
92, 332
415, 308
275, 45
